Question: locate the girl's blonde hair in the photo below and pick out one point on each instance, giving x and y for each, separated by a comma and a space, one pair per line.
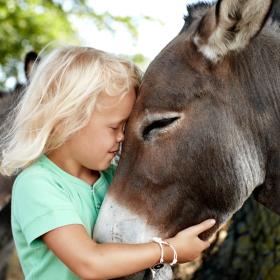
60, 99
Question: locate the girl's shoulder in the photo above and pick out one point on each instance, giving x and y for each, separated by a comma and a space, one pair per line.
34, 177
35, 171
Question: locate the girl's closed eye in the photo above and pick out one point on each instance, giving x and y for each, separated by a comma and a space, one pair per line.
115, 127
118, 126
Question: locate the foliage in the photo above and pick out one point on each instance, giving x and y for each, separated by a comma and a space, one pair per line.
33, 24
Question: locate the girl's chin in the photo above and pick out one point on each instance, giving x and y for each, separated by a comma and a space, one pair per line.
105, 165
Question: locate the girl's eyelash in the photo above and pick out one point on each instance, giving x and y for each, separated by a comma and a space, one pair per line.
116, 127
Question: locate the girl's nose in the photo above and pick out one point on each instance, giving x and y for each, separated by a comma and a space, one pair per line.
120, 137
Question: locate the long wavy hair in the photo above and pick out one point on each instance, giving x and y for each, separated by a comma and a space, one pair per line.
60, 100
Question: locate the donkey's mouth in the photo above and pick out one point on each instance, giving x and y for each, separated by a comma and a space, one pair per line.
119, 225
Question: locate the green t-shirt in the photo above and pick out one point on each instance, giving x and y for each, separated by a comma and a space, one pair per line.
46, 197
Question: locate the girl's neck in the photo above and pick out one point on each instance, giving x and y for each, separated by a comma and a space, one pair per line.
69, 165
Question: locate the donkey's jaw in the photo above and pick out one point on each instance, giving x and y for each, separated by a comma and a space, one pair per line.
119, 225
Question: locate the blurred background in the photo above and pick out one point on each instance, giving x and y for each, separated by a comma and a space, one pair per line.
138, 30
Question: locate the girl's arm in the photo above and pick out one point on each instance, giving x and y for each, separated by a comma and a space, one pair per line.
89, 260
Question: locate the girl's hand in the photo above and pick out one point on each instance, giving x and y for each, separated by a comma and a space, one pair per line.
187, 243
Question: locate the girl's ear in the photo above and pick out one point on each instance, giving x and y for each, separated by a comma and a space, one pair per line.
229, 26
268, 193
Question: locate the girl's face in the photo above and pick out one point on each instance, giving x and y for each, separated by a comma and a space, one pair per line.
95, 145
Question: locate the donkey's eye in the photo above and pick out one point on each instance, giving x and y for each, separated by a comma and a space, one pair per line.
157, 125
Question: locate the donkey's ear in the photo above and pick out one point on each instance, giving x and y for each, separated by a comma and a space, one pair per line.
229, 26
268, 193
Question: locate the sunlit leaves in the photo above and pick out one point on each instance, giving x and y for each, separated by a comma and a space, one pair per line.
33, 24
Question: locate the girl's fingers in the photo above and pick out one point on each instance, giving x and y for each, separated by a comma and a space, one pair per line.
205, 245
197, 229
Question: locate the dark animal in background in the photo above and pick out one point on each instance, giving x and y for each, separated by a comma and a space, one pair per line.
30, 59
8, 99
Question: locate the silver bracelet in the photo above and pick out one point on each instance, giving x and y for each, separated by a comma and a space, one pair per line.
174, 254
161, 242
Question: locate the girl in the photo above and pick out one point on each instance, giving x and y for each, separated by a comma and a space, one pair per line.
68, 127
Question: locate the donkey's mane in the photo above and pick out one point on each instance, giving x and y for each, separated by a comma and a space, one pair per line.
191, 8
198, 9
194, 11
275, 19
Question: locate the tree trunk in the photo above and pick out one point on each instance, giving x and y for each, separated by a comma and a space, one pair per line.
251, 250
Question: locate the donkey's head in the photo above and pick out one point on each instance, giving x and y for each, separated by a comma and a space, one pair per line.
204, 133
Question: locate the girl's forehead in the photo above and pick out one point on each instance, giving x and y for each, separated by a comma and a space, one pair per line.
104, 100
116, 107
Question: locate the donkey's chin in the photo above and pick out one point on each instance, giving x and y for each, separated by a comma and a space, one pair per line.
116, 224
119, 225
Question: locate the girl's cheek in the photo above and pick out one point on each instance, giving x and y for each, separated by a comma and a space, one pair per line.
110, 137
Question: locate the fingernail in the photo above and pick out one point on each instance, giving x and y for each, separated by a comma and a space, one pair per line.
212, 222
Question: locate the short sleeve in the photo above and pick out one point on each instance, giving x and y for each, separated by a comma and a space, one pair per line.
40, 205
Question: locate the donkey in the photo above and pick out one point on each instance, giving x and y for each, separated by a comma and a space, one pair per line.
209, 103
204, 134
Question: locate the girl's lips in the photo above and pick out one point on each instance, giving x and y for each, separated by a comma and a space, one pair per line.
114, 151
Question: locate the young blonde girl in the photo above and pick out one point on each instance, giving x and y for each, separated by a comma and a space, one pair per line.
67, 129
